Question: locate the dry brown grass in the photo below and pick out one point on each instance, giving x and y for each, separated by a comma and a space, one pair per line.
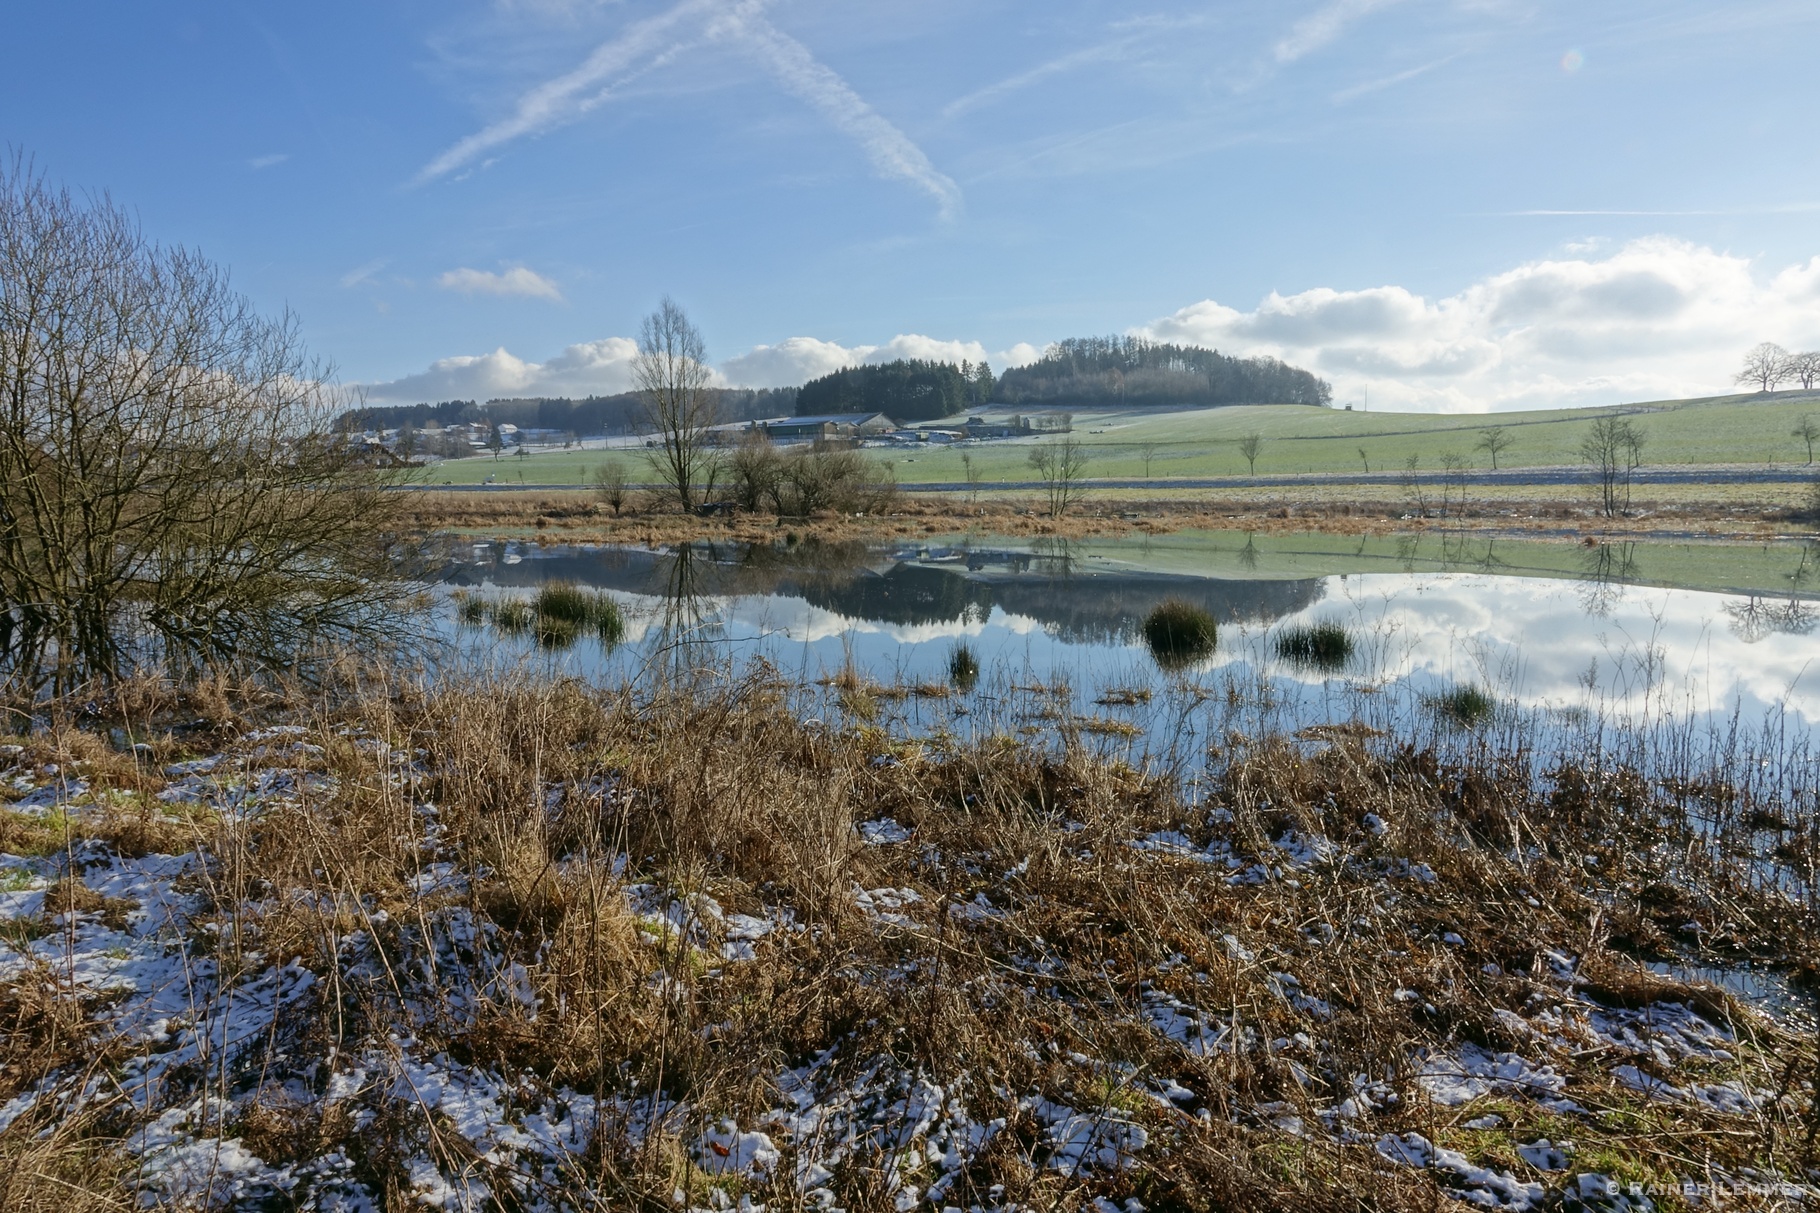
559, 516
1041, 937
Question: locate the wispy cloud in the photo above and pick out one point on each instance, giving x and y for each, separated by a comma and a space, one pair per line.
659, 40
892, 152
363, 273
1374, 86
267, 161
1322, 27
515, 281
1055, 67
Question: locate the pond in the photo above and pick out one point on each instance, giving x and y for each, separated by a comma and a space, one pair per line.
1686, 637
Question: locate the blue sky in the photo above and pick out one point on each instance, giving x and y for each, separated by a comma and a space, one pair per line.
1453, 204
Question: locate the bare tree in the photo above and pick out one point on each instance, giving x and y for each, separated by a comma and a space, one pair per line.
1061, 465
1454, 468
1494, 440
173, 492
1147, 452
1807, 430
1366, 460
1766, 366
972, 474
671, 373
610, 485
1804, 367
1413, 485
1614, 446
1250, 446
1632, 440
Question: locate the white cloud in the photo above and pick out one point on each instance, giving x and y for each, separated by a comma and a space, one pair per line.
592, 368
1658, 318
799, 359
275, 158
515, 281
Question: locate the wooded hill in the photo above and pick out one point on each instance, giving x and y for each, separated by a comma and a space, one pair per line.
1112, 372
1082, 372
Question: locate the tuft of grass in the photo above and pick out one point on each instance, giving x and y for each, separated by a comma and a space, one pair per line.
1467, 706
565, 601
471, 609
1180, 634
560, 614
1324, 646
513, 616
963, 667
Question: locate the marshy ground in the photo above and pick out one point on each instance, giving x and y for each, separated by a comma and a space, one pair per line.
521, 943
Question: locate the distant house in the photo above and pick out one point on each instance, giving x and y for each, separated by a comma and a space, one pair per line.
827, 427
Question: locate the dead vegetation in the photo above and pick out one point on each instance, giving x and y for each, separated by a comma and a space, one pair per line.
537, 945
575, 516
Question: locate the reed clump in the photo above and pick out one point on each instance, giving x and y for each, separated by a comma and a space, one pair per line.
558, 615
1466, 706
1325, 645
963, 667
1180, 634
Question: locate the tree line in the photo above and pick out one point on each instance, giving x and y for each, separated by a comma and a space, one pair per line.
909, 389
623, 413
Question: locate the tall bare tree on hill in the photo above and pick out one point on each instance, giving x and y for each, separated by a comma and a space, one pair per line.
671, 374
1804, 368
1767, 366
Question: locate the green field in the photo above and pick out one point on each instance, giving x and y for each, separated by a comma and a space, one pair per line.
1776, 569
1751, 430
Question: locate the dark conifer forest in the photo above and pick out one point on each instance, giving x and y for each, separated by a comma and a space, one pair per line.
905, 390
1110, 372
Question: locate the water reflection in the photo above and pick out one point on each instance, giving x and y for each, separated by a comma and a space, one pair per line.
1592, 637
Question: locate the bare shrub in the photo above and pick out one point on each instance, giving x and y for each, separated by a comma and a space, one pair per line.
170, 487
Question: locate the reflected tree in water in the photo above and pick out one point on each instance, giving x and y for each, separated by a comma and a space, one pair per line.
1607, 568
689, 625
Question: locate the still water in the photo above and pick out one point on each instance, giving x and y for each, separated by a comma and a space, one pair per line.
1627, 632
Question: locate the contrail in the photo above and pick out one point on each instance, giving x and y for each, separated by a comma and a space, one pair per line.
891, 151
563, 98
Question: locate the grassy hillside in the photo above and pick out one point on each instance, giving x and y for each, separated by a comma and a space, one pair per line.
1753, 430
